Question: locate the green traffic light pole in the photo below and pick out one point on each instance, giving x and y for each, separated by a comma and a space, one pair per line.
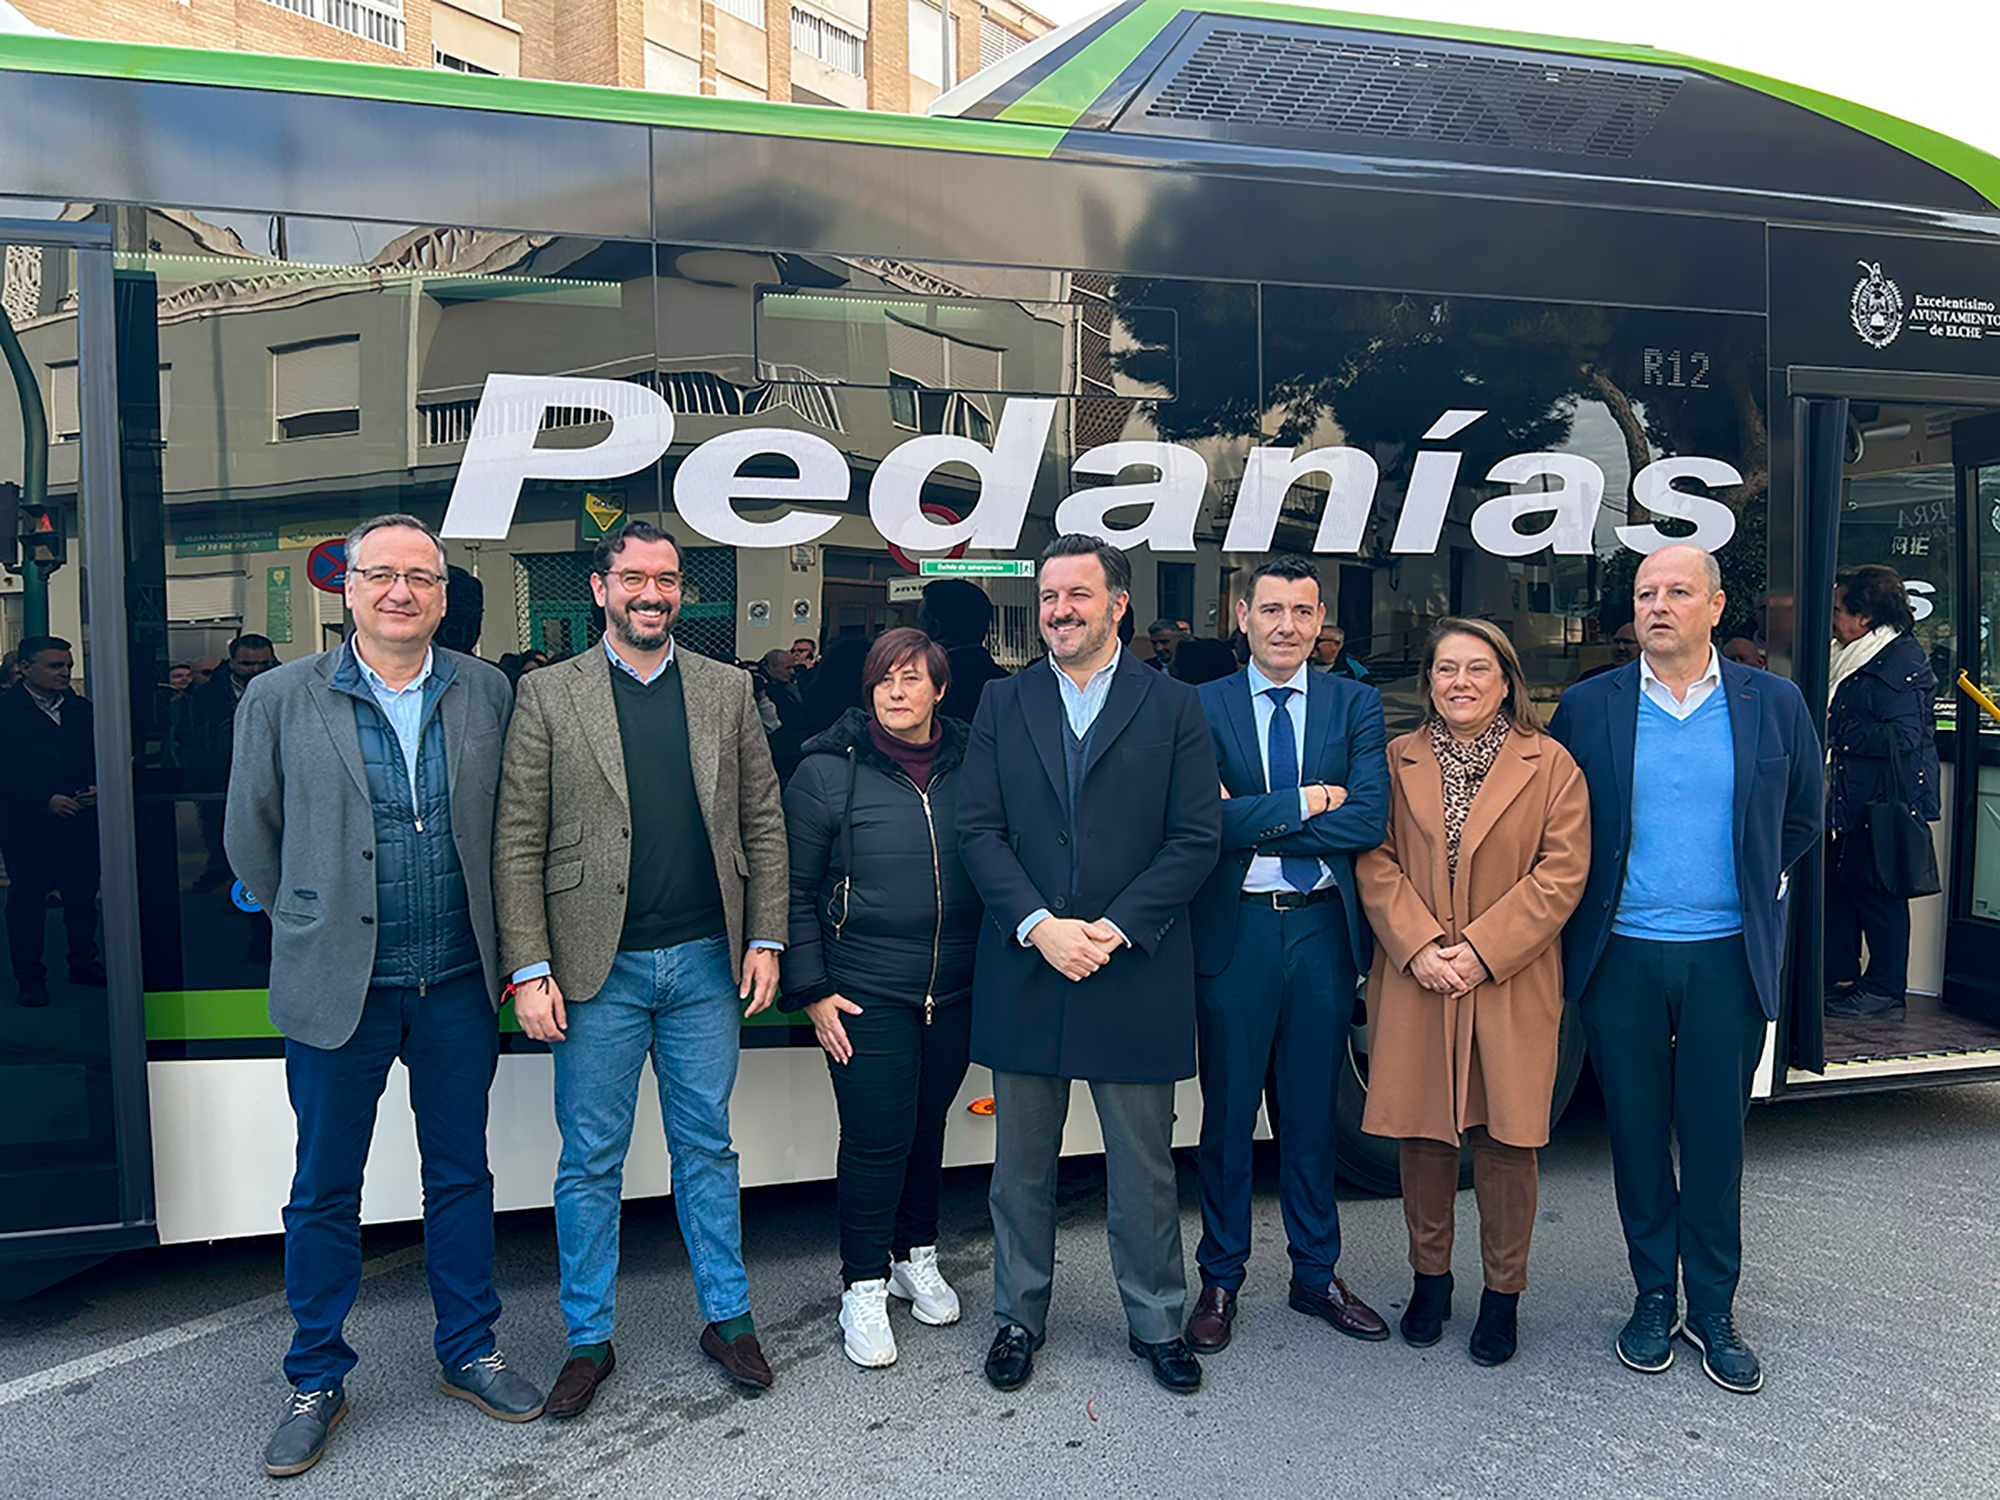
34, 471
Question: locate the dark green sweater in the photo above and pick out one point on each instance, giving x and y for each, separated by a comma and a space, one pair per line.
671, 895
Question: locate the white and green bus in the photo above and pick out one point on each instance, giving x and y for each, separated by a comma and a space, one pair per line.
1473, 318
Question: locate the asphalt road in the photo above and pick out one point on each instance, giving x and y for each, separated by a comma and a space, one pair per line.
1873, 1238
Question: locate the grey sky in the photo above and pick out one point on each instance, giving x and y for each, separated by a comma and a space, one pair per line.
1931, 62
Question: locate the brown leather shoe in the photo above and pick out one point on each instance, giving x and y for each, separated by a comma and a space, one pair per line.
743, 1358
1341, 1308
578, 1382
1214, 1314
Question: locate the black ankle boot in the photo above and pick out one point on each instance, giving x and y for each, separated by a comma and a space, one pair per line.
1493, 1334
1430, 1305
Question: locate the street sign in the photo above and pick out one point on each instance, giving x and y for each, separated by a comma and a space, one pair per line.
977, 567
326, 566
600, 513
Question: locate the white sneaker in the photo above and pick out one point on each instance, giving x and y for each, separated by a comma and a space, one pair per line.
919, 1282
864, 1319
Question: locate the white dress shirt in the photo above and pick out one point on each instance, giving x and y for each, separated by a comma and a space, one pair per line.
1266, 872
1697, 694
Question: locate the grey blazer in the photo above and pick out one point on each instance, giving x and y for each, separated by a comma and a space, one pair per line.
562, 846
300, 834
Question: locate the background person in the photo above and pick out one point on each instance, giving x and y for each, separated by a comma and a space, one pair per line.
1705, 788
1088, 818
1881, 738
48, 817
640, 875
1279, 941
1329, 654
208, 737
1624, 651
360, 815
1465, 999
1166, 637
884, 923
957, 614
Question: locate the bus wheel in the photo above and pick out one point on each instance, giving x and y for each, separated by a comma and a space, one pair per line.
1369, 1162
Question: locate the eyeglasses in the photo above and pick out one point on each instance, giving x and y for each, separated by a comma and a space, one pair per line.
632, 580
420, 580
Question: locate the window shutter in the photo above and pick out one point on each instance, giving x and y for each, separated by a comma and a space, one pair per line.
317, 378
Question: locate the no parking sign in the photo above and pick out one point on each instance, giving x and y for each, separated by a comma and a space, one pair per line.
326, 566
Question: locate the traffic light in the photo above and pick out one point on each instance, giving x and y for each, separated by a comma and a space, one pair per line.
41, 536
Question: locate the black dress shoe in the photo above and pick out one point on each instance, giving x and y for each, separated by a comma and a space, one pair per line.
1863, 1004
1340, 1307
34, 993
1173, 1363
1011, 1358
91, 973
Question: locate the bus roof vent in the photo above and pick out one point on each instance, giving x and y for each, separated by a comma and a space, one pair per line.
1325, 81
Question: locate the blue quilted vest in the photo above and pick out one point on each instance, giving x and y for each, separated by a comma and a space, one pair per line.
423, 921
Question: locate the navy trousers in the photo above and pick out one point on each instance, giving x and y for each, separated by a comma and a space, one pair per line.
1290, 984
1675, 1033
450, 1041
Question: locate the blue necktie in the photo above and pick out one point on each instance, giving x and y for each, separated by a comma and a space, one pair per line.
1300, 873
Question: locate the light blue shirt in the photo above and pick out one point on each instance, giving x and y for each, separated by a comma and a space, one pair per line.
1266, 872
631, 671
1081, 706
618, 663
404, 708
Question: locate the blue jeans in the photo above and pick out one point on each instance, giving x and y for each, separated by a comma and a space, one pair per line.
679, 1004
450, 1042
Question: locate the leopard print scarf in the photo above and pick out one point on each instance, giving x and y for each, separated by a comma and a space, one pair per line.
1464, 764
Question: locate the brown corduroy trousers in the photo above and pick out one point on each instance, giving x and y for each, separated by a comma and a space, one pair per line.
1503, 1180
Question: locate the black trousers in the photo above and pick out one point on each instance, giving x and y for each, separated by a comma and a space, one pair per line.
893, 1097
1854, 912
1675, 1032
61, 857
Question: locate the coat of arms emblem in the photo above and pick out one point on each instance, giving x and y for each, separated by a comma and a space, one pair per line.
1876, 308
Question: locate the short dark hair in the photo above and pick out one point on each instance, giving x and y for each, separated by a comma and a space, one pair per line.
1117, 566
631, 529
254, 642
1288, 567
383, 523
33, 646
1876, 594
893, 648
956, 611
1158, 625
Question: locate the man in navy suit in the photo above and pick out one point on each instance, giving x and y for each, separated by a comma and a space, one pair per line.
1705, 787
1088, 816
1279, 938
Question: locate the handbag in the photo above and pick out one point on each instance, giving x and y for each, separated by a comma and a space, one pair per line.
1889, 847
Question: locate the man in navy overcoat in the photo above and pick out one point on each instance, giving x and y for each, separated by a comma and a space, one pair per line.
1088, 816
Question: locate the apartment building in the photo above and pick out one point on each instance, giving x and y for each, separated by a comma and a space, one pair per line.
856, 54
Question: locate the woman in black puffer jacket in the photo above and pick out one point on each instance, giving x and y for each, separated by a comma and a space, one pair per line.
884, 923
1880, 723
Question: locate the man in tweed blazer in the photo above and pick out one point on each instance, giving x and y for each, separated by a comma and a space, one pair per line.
641, 881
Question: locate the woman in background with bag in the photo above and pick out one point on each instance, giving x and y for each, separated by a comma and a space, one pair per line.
884, 923
1882, 792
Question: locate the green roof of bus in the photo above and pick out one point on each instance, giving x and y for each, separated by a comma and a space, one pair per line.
1030, 126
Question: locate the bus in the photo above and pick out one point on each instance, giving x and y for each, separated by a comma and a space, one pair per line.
1475, 319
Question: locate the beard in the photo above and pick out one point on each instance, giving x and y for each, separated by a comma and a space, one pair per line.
641, 633
1087, 642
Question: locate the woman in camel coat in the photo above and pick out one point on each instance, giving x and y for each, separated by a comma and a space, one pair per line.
1488, 847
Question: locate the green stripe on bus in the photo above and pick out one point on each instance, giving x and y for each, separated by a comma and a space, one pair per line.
240, 1015
525, 96
1061, 98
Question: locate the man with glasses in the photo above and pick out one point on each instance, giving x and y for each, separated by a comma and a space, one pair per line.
641, 876
360, 815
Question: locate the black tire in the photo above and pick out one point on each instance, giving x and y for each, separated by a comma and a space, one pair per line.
1368, 1163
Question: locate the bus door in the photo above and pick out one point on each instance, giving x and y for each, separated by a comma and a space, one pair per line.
75, 1150
1972, 944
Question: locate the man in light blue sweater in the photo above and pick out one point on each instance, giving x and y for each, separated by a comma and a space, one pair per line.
1704, 783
